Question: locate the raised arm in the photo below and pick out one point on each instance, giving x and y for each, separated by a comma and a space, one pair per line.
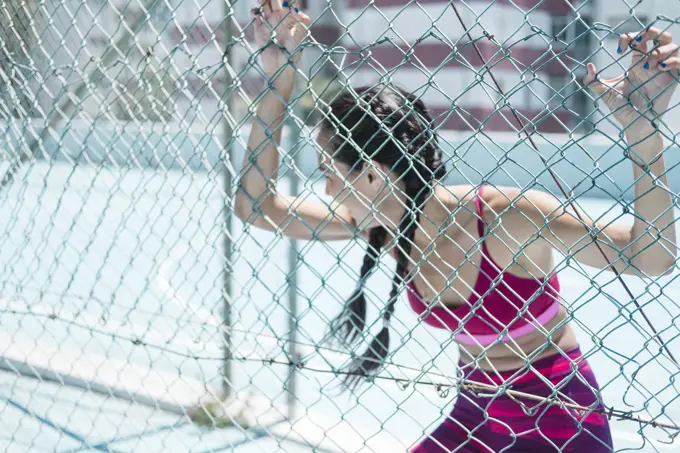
638, 101
257, 200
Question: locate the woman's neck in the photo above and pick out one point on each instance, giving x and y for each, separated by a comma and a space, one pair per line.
435, 216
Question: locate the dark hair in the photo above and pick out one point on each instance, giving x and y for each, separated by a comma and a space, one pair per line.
392, 127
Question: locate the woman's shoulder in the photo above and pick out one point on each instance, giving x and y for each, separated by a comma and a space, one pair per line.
454, 205
491, 196
495, 201
457, 195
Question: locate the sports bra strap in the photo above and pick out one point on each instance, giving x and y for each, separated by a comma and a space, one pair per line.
480, 220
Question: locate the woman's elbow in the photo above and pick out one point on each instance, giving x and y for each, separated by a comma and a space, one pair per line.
667, 267
662, 271
658, 267
663, 263
243, 208
248, 210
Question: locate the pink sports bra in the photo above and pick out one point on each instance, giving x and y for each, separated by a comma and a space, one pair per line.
499, 300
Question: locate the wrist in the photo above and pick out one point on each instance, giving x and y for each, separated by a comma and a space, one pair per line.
282, 90
644, 137
272, 103
644, 148
282, 82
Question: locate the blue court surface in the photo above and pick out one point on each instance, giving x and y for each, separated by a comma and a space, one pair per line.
112, 280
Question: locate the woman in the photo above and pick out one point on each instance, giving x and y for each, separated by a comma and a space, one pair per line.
382, 165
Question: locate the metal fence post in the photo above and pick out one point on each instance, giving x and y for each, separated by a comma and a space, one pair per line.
227, 269
293, 251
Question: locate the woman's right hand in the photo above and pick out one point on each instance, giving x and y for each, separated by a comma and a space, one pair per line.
279, 31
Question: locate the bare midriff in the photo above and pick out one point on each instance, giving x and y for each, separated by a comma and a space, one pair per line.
513, 354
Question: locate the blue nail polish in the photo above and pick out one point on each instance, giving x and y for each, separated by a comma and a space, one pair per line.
639, 38
297, 10
619, 50
285, 4
257, 12
663, 65
646, 66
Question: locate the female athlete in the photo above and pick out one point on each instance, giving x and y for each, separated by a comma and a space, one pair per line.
475, 260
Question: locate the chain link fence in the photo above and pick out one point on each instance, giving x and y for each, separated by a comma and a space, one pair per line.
138, 313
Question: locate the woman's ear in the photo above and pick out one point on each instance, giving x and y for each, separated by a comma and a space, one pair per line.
379, 172
375, 171
368, 168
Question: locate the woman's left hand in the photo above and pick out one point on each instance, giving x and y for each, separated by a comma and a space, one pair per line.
639, 98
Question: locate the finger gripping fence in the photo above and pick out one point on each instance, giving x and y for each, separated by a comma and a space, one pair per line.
339, 226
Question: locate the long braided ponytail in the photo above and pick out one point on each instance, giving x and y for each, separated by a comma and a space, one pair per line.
395, 116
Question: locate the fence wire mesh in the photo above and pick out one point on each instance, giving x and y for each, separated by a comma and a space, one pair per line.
192, 191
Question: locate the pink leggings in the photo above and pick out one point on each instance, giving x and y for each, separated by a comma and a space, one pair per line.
491, 425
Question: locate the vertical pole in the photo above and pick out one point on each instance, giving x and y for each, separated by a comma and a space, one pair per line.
227, 269
293, 355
